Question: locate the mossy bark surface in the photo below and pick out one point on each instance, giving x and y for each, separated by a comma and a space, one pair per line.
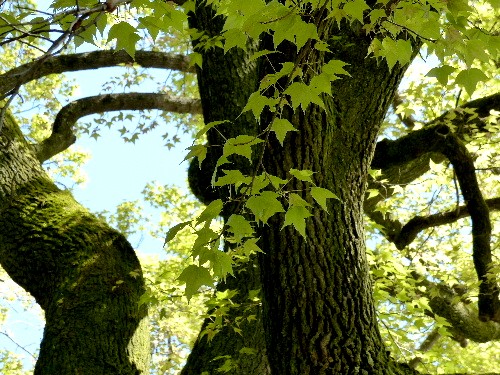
84, 274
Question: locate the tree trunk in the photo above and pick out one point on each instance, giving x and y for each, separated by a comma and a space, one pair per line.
319, 314
84, 274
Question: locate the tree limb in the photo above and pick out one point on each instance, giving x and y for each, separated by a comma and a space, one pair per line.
88, 61
62, 131
463, 317
403, 170
439, 138
410, 230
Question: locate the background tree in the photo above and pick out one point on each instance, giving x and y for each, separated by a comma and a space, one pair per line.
300, 89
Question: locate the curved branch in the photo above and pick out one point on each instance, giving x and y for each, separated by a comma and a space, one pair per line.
403, 235
88, 61
62, 131
403, 169
440, 139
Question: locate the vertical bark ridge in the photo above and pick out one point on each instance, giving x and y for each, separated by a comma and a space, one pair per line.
311, 327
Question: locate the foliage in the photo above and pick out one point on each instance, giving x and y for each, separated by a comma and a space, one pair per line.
460, 49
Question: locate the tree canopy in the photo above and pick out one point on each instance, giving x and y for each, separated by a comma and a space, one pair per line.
346, 155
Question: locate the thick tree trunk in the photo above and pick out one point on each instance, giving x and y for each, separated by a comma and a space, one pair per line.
318, 315
84, 274
319, 312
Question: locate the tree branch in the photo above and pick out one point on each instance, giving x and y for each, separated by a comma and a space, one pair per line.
62, 131
89, 61
403, 169
463, 317
410, 230
439, 138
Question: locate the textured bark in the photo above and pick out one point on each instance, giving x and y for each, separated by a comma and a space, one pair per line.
318, 306
84, 274
318, 315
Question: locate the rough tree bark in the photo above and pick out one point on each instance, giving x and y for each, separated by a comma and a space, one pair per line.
318, 307
84, 274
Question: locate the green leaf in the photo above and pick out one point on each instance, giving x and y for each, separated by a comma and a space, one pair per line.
172, 232
276, 181
209, 126
239, 227
302, 95
210, 212
257, 102
320, 195
271, 79
258, 54
372, 193
259, 183
302, 175
396, 51
355, 9
233, 177
470, 78
265, 205
125, 35
459, 7
294, 29
102, 22
199, 151
241, 145
296, 200
322, 83
250, 247
152, 25
196, 58
334, 68
441, 73
221, 263
280, 127
195, 277
204, 239
321, 46
234, 38
296, 216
